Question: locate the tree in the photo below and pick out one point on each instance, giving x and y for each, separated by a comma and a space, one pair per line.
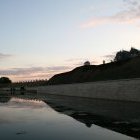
125, 55
5, 80
122, 56
134, 52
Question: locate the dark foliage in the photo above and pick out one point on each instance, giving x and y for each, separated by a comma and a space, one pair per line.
31, 83
5, 80
126, 55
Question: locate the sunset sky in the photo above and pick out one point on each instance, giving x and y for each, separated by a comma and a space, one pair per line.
39, 38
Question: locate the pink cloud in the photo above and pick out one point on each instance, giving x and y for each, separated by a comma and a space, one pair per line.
32, 73
131, 15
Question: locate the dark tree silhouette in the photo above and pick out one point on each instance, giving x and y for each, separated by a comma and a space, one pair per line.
125, 55
5, 80
122, 55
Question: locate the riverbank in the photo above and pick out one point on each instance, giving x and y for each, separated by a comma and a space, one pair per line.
122, 90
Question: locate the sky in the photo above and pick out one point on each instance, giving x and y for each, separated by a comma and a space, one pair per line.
40, 38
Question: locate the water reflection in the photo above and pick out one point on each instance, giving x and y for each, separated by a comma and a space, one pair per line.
127, 127
5, 99
55, 117
122, 117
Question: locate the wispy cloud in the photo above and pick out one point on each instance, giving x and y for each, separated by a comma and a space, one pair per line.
109, 57
3, 56
32, 73
80, 61
31, 70
129, 15
75, 59
57, 68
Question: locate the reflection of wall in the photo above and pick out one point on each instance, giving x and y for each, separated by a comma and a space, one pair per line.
102, 113
112, 109
4, 99
123, 117
126, 90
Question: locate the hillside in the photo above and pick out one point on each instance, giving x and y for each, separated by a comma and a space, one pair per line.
110, 71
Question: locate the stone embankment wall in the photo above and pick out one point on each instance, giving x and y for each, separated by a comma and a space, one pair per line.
125, 90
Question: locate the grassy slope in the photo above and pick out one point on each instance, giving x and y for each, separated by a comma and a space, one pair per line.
110, 71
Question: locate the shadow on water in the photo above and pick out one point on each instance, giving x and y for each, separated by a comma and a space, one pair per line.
122, 117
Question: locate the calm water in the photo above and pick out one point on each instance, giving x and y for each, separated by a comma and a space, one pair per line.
27, 118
